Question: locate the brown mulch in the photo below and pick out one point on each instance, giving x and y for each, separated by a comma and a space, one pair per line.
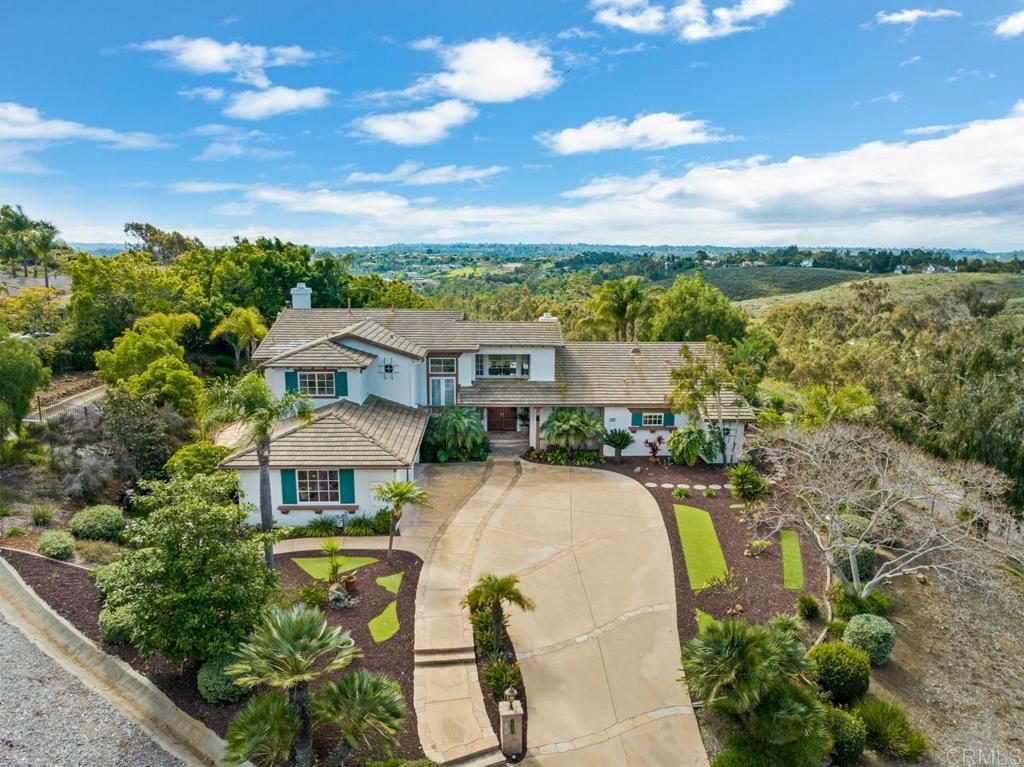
490, 703
71, 593
761, 593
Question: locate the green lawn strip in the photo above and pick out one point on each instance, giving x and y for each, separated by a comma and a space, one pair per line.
737, 505
704, 621
320, 567
792, 562
385, 625
391, 582
701, 549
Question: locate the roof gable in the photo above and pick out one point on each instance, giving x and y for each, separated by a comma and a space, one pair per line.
324, 352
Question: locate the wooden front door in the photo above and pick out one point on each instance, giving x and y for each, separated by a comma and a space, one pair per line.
501, 419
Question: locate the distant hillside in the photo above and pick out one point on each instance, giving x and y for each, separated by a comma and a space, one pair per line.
906, 288
740, 283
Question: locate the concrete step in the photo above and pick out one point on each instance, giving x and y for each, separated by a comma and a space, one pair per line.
488, 757
448, 658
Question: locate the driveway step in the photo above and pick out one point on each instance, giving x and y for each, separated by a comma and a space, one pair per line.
488, 757
444, 657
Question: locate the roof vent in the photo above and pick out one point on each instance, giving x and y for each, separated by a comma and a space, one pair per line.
302, 297
636, 351
547, 317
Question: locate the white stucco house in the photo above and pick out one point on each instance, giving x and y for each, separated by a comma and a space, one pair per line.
375, 375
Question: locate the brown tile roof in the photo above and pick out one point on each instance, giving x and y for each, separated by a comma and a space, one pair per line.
323, 351
377, 434
372, 332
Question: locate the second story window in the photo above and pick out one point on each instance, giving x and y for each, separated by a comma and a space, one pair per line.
442, 366
502, 365
317, 384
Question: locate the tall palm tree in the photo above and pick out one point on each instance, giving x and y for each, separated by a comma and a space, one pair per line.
494, 593
618, 305
41, 243
290, 649
571, 427
396, 493
17, 228
251, 401
240, 329
368, 709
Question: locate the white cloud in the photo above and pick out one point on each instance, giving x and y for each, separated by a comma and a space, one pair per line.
415, 174
229, 143
204, 187
577, 33
207, 94
1011, 26
203, 56
632, 15
423, 126
932, 130
910, 61
913, 15
276, 100
658, 130
690, 20
974, 75
373, 204
235, 209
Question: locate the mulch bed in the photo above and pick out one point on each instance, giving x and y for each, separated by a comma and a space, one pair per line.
490, 703
71, 593
762, 594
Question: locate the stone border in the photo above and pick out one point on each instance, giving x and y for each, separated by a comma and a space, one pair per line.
113, 679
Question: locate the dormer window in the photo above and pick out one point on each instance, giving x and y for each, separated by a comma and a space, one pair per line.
317, 383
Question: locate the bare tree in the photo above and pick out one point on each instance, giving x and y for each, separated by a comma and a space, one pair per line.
854, 490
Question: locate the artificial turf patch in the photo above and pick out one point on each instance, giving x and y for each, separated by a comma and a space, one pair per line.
385, 625
391, 582
320, 567
792, 562
704, 621
701, 550
737, 505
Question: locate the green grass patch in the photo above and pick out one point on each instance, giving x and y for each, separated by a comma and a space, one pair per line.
385, 625
701, 549
737, 505
391, 582
320, 567
704, 621
792, 562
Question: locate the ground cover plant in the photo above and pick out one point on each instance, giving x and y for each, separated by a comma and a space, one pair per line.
705, 562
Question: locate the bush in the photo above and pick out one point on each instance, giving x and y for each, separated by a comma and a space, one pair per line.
14, 531
681, 493
382, 522
98, 523
846, 606
483, 630
359, 526
835, 629
853, 525
214, 685
456, 435
558, 456
788, 625
325, 527
42, 516
842, 671
198, 458
807, 607
873, 634
313, 594
743, 751
98, 552
710, 492
57, 545
888, 730
865, 560
500, 675
848, 737
115, 625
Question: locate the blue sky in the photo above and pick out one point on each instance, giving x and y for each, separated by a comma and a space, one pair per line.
733, 122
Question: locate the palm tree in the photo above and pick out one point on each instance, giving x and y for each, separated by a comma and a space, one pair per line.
571, 427
397, 493
251, 401
240, 329
368, 709
41, 244
460, 429
618, 305
262, 732
18, 228
494, 592
618, 440
290, 649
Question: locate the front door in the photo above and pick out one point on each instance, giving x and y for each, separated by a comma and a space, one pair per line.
501, 419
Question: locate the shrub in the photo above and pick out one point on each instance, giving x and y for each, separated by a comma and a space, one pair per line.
681, 493
382, 522
846, 605
865, 556
324, 527
483, 629
214, 685
313, 594
115, 625
98, 523
57, 545
788, 625
42, 516
747, 484
835, 629
14, 531
873, 634
359, 526
198, 458
853, 525
807, 607
842, 671
742, 750
848, 737
709, 492
456, 435
98, 552
500, 675
888, 729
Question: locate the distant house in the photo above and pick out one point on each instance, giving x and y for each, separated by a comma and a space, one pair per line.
807, 263
901, 269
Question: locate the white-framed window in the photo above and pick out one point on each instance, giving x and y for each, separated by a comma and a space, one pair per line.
652, 419
442, 391
318, 485
317, 384
479, 362
442, 366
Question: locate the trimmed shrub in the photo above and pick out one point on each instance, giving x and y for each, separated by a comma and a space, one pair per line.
98, 552
214, 685
42, 516
56, 544
115, 625
846, 606
98, 523
382, 522
500, 675
873, 634
853, 525
842, 671
888, 729
835, 629
848, 737
807, 607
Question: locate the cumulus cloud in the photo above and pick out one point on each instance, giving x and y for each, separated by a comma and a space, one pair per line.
910, 16
276, 100
1011, 26
417, 127
690, 20
415, 174
658, 130
207, 94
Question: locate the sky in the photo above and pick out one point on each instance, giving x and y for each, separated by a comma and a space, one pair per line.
728, 122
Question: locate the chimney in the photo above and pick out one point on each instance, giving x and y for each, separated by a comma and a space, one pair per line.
302, 297
547, 317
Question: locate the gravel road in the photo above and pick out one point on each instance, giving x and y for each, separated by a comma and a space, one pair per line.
49, 719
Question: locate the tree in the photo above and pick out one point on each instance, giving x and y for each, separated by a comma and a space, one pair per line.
150, 339
693, 310
367, 708
135, 434
21, 374
493, 593
456, 434
617, 306
169, 380
192, 580
240, 329
618, 440
396, 494
17, 230
33, 311
165, 247
41, 244
571, 427
251, 401
700, 378
201, 457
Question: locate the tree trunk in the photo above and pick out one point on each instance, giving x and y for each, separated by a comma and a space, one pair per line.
391, 532
618, 455
721, 427
238, 355
266, 514
46, 272
339, 754
298, 699
496, 624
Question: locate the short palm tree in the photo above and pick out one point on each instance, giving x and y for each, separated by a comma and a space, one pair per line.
251, 401
397, 493
240, 329
618, 440
459, 429
493, 593
262, 732
571, 427
367, 708
290, 649
747, 484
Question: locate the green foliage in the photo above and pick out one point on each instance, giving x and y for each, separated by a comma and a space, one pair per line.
617, 309
170, 381
786, 624
501, 674
200, 457
21, 374
262, 732
14, 531
854, 526
360, 527
873, 634
492, 594
322, 527
116, 624
56, 544
456, 435
241, 329
835, 629
150, 339
842, 671
138, 437
849, 737
687, 444
42, 516
681, 493
864, 555
847, 605
808, 607
98, 552
483, 629
709, 492
888, 730
557, 456
618, 440
571, 427
747, 483
692, 310
216, 686
98, 523
368, 710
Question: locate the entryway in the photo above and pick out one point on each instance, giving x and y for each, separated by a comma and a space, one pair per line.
502, 419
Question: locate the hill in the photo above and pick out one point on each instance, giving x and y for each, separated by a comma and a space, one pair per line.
742, 283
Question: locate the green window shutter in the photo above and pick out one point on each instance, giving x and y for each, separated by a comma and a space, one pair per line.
669, 419
288, 489
340, 383
347, 481
637, 419
291, 380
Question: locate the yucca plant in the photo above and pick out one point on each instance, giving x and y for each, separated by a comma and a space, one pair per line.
747, 484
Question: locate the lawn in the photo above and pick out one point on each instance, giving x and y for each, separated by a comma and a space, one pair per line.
319, 567
701, 549
385, 625
792, 562
391, 582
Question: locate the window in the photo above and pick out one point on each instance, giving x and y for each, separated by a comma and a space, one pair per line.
442, 391
501, 365
652, 419
318, 486
479, 362
442, 366
319, 384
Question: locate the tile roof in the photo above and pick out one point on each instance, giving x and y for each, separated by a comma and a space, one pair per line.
322, 352
377, 434
372, 332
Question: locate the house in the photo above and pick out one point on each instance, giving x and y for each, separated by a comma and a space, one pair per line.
807, 263
375, 376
